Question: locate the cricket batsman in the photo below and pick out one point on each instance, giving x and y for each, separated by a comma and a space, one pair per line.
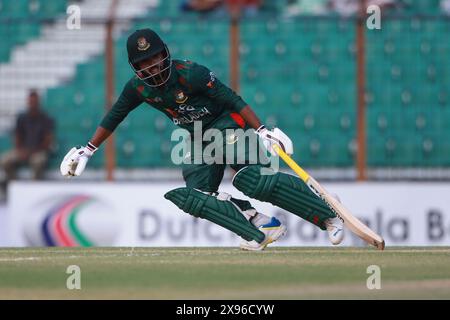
187, 93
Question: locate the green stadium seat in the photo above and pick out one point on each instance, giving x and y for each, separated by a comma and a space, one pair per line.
23, 27
14, 9
51, 8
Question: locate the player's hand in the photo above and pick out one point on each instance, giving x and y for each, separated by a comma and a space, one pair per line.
275, 136
76, 159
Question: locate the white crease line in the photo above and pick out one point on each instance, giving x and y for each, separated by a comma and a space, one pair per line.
76, 257
20, 259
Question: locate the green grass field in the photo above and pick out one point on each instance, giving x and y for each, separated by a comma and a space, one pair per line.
224, 273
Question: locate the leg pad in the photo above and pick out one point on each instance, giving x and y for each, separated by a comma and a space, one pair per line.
224, 213
285, 191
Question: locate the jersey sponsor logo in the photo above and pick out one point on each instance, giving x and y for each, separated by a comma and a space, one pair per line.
191, 116
180, 97
183, 108
142, 44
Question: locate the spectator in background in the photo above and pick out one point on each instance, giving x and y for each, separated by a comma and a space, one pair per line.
352, 7
307, 7
202, 6
33, 138
248, 8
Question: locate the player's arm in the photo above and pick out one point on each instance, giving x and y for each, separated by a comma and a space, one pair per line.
76, 159
100, 135
250, 117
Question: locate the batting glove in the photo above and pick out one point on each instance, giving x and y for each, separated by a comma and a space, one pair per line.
275, 136
76, 159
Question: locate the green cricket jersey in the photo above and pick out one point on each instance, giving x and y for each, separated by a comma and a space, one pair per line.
192, 93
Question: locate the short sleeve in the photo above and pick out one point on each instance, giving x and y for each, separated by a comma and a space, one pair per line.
205, 81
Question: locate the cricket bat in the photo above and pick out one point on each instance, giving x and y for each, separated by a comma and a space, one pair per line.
350, 221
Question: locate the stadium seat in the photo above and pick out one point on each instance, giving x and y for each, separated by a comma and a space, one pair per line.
22, 27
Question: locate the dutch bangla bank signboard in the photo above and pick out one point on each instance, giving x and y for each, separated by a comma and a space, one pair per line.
72, 213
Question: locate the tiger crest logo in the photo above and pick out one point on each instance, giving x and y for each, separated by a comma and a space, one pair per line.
180, 97
142, 44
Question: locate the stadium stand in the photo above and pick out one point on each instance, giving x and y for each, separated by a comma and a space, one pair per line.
407, 75
20, 31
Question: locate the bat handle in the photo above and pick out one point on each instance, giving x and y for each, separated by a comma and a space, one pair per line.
291, 163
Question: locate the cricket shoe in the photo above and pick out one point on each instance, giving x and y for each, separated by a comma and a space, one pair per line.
272, 231
335, 230
335, 227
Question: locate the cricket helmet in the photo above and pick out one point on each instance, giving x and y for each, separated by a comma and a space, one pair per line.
142, 45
